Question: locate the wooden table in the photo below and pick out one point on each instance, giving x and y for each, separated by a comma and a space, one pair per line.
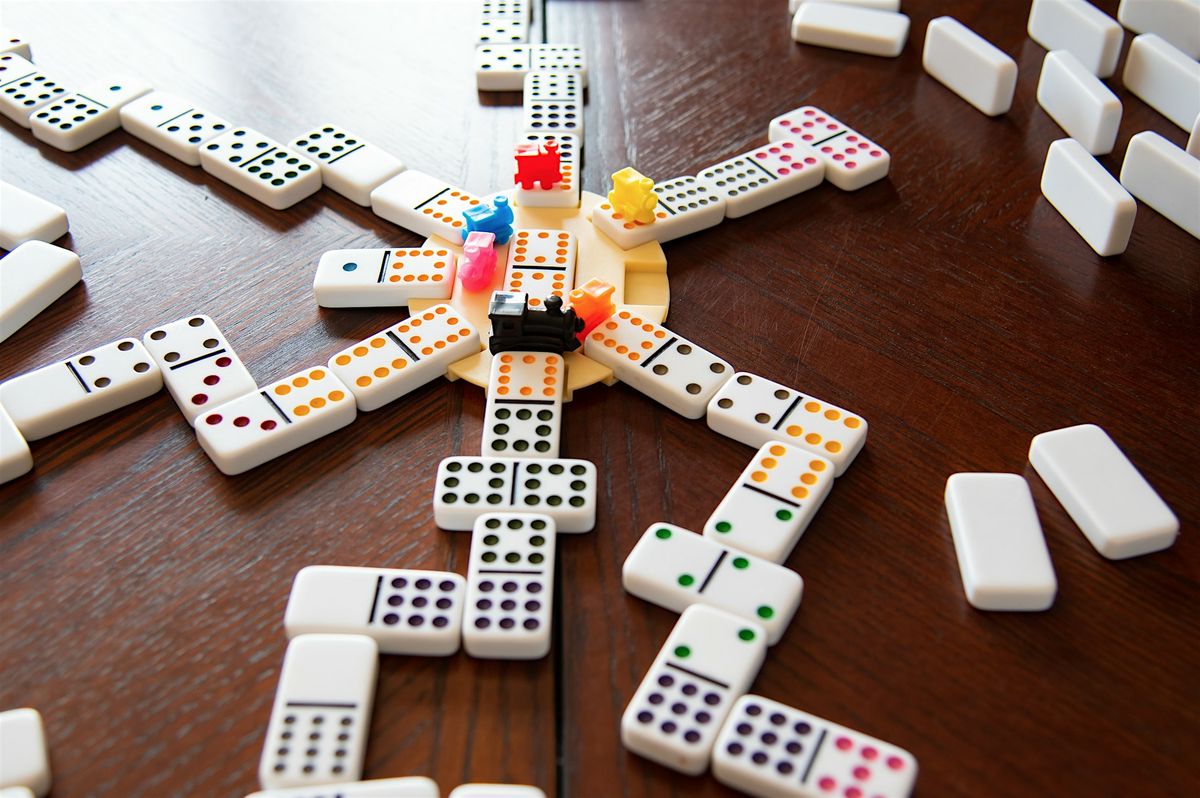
142, 591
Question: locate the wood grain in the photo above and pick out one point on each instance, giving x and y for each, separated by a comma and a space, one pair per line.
141, 592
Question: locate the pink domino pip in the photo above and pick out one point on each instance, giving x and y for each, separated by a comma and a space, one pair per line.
851, 159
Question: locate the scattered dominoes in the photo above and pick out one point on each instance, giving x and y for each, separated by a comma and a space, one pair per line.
524, 405
1104, 493
15, 457
1002, 554
27, 217
272, 421
1164, 177
260, 167
367, 278
676, 568
510, 586
710, 658
175, 126
755, 410
565, 193
404, 611
541, 263
1088, 197
318, 729
847, 27
773, 501
851, 159
11, 42
408, 787
24, 88
24, 761
349, 165
199, 367
468, 487
764, 176
424, 205
76, 120
1078, 27
1166, 79
78, 389
651, 359
502, 67
770, 750
34, 275
969, 65
1079, 102
405, 356
1177, 21
686, 205
496, 791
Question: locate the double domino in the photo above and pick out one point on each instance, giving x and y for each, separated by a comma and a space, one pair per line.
764, 176
851, 159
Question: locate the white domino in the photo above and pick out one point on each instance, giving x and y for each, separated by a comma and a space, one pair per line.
15, 457
404, 611
274, 420
468, 487
676, 568
368, 278
1104, 493
27, 217
502, 30
764, 176
405, 356
686, 205
495, 791
76, 120
969, 65
523, 417
851, 159
851, 27
1164, 177
260, 168
1088, 197
503, 67
24, 759
878, 5
1002, 554
408, 787
1078, 27
424, 205
565, 193
710, 659
553, 102
1166, 79
755, 411
1079, 102
651, 359
349, 165
319, 722
541, 263
553, 85
199, 367
16, 792
1177, 21
510, 586
176, 126
12, 42
770, 750
34, 275
24, 88
80, 388
516, 9
773, 501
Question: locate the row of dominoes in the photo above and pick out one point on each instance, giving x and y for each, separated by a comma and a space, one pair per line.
24, 755
1002, 554
693, 708
807, 146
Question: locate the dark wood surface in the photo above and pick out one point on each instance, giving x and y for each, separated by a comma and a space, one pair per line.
142, 592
